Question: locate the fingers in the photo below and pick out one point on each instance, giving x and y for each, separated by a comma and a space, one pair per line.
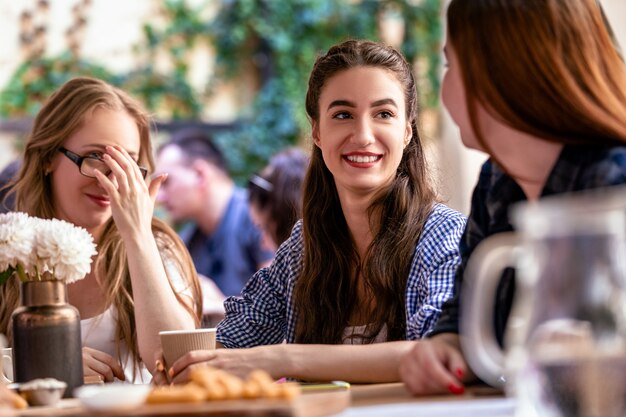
414, 374
132, 205
155, 184
442, 375
185, 374
179, 371
160, 375
101, 363
124, 168
433, 367
119, 172
159, 379
109, 186
457, 365
128, 165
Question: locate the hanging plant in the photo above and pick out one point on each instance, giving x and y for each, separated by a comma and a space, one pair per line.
278, 40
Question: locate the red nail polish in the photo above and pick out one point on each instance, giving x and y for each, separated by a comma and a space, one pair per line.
457, 390
460, 373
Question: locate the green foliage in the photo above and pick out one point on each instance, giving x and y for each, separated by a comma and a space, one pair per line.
35, 80
281, 39
168, 94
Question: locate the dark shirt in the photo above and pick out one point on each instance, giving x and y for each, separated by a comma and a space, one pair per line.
577, 168
231, 254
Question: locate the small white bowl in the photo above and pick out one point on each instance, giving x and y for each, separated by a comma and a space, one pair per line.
42, 391
112, 396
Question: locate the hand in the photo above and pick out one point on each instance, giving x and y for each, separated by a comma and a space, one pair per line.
159, 374
132, 200
96, 363
239, 362
435, 366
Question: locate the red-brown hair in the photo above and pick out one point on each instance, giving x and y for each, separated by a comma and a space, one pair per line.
548, 68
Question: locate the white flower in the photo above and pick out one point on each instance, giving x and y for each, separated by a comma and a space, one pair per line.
16, 241
64, 250
44, 246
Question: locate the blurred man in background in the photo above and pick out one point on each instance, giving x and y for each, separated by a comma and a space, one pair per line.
222, 239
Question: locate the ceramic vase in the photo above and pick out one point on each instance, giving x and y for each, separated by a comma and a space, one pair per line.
46, 335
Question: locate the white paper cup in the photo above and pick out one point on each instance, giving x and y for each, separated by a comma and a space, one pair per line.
176, 343
7, 365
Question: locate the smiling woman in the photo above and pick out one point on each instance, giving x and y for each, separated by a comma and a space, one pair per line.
84, 163
362, 138
373, 258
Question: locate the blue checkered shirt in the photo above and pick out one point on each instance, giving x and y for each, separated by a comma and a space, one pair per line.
264, 314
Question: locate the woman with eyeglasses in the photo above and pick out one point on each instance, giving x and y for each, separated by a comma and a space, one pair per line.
86, 162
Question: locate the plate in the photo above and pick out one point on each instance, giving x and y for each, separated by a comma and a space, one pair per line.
112, 396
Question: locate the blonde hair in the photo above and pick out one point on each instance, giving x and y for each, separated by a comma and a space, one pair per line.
62, 114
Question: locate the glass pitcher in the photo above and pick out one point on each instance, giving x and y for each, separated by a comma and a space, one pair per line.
565, 343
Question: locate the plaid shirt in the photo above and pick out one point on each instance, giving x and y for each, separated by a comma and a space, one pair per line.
577, 169
265, 314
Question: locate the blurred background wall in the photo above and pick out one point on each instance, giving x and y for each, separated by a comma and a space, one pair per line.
238, 68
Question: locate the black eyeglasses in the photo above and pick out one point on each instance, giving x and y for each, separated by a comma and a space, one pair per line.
88, 165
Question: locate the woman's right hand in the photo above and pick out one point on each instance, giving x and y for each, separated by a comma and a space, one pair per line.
99, 363
435, 366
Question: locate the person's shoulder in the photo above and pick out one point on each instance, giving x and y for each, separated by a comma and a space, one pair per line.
488, 169
489, 176
444, 215
614, 156
239, 198
295, 241
293, 247
601, 166
443, 222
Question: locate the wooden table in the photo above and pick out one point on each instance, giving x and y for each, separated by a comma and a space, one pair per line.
375, 400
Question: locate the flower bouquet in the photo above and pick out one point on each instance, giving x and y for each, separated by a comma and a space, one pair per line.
38, 249
46, 255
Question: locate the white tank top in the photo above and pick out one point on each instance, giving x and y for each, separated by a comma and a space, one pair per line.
99, 333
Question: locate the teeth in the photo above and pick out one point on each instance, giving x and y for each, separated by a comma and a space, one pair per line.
362, 159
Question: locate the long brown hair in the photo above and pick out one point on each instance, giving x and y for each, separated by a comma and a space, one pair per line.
325, 294
548, 68
61, 115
